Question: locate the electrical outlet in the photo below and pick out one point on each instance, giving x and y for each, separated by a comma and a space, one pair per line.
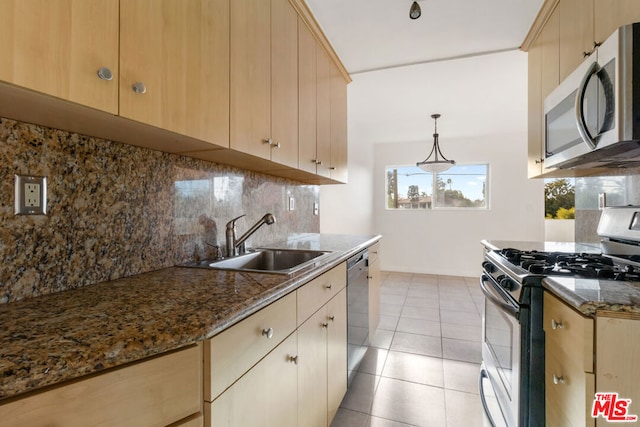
602, 200
316, 208
31, 195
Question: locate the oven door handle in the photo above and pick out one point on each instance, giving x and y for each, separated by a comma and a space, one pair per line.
499, 302
484, 374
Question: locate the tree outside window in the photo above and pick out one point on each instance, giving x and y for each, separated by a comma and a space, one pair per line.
559, 198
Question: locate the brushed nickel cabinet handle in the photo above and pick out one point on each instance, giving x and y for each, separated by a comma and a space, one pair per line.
558, 379
325, 325
268, 332
328, 286
332, 318
105, 74
293, 359
556, 325
139, 87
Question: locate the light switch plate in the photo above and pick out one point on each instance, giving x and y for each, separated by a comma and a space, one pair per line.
31, 195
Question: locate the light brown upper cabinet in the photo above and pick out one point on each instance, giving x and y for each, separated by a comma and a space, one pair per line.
264, 80
576, 33
338, 167
544, 76
307, 96
174, 63
57, 47
611, 14
323, 131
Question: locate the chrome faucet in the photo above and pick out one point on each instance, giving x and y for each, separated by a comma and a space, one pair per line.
237, 247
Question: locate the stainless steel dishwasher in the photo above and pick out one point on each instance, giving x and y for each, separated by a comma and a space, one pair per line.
357, 311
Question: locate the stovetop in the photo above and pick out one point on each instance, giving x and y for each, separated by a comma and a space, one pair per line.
578, 264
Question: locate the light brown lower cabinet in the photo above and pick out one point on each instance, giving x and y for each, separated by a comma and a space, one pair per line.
589, 355
569, 377
162, 391
303, 376
375, 281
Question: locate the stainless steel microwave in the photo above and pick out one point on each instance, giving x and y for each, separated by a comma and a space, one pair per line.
592, 119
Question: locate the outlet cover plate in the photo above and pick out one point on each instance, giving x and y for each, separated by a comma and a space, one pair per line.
31, 195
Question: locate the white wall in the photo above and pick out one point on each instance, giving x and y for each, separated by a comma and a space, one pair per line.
483, 102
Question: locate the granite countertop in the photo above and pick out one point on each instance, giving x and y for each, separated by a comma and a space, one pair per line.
597, 297
590, 296
58, 337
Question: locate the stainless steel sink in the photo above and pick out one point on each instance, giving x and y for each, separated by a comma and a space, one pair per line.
277, 261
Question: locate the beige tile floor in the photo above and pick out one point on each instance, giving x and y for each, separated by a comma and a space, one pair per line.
423, 362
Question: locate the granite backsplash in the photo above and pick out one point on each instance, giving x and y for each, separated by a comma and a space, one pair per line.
116, 210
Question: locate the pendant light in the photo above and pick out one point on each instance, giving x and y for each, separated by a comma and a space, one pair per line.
439, 163
414, 11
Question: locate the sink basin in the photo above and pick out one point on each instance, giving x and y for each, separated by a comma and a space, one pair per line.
277, 261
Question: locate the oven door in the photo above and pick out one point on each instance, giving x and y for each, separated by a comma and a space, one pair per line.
500, 352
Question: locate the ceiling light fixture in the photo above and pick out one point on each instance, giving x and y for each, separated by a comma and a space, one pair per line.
415, 12
436, 165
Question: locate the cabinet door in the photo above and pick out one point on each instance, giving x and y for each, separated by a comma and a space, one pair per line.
57, 47
284, 83
264, 396
535, 141
618, 357
374, 288
312, 370
569, 378
307, 98
323, 134
611, 14
179, 51
336, 310
338, 169
251, 77
544, 76
576, 33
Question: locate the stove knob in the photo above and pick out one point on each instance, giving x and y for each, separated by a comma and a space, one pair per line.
507, 283
490, 268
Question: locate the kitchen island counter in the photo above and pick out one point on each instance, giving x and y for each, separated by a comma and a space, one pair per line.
66, 335
596, 296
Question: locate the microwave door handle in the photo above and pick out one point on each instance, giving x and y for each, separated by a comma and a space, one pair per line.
582, 125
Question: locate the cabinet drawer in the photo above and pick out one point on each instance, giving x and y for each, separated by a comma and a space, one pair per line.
317, 292
233, 352
569, 392
155, 392
568, 332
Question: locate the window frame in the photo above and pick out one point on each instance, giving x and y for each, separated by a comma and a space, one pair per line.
434, 205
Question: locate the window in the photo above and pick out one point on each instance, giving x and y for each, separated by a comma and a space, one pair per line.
462, 186
559, 198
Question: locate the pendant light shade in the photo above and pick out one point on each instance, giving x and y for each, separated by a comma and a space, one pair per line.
438, 163
414, 11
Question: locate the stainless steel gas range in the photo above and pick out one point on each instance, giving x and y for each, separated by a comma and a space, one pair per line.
512, 282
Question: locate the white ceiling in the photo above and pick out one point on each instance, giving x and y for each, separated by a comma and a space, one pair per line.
375, 34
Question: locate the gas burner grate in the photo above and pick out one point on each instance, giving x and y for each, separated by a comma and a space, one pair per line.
571, 264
